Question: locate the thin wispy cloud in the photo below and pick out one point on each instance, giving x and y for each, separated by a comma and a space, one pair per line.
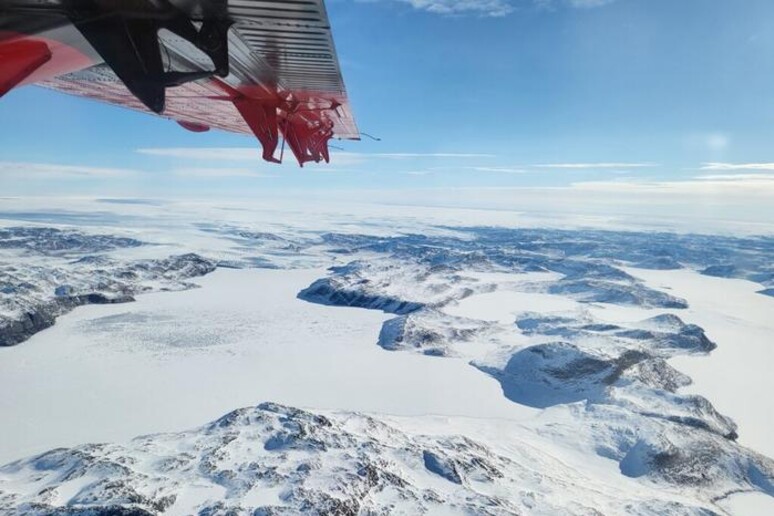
206, 153
216, 173
253, 154
754, 185
587, 4
418, 172
466, 170
593, 166
499, 170
737, 166
713, 142
404, 155
240, 155
493, 8
51, 171
735, 177
716, 142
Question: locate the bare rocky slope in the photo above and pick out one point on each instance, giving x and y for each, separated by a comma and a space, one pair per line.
48, 272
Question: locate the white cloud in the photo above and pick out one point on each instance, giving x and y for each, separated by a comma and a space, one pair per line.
220, 173
252, 154
403, 155
591, 166
717, 142
418, 172
737, 166
22, 171
456, 169
748, 185
713, 142
481, 7
240, 154
500, 170
493, 8
206, 153
734, 177
578, 4
586, 4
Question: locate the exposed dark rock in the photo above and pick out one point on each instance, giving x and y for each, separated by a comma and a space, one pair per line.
549, 374
329, 292
594, 291
658, 374
428, 330
34, 309
662, 263
721, 271
51, 241
442, 467
13, 332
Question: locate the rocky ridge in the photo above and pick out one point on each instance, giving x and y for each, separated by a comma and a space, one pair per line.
562, 361
273, 459
53, 271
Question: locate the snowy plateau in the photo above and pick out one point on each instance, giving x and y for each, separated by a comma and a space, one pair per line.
161, 357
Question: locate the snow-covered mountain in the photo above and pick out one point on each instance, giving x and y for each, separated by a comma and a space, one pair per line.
557, 318
614, 378
273, 459
49, 271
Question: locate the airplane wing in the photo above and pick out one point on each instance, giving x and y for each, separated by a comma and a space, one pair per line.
262, 67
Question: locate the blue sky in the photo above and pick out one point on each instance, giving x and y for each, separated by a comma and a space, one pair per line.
608, 94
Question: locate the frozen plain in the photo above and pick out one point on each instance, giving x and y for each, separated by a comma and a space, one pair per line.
172, 361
